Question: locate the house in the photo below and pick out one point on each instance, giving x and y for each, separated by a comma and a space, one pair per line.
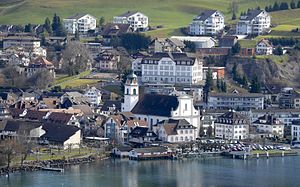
232, 126
137, 20
4, 112
264, 47
29, 42
270, 125
69, 99
236, 101
200, 42
62, 118
166, 45
255, 22
175, 131
82, 23
121, 151
154, 108
149, 153
94, 95
37, 65
295, 130
107, 61
110, 107
209, 22
227, 41
171, 68
57, 135
114, 30
207, 128
217, 72
289, 99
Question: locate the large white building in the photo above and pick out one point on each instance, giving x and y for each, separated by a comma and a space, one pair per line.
80, 22
270, 125
155, 108
232, 126
137, 20
295, 131
170, 68
209, 22
28, 42
264, 47
94, 95
255, 22
237, 101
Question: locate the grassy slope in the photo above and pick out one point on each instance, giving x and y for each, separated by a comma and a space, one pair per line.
170, 13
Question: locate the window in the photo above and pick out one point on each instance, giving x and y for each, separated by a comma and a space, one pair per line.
127, 91
185, 107
134, 91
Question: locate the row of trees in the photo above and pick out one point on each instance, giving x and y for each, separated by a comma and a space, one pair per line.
282, 6
209, 83
132, 41
55, 28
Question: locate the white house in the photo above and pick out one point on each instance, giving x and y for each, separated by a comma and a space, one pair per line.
270, 125
80, 22
232, 126
255, 22
209, 22
154, 108
175, 131
28, 42
94, 95
121, 151
295, 131
171, 68
199, 41
264, 47
137, 20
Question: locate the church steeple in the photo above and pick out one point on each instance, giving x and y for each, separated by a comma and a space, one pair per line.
131, 93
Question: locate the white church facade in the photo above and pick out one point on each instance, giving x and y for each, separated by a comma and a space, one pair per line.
154, 108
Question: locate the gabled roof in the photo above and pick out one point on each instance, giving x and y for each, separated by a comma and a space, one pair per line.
268, 119
173, 56
124, 148
151, 150
266, 42
139, 132
42, 62
78, 16
108, 104
251, 15
204, 15
58, 133
136, 122
172, 125
114, 29
59, 117
156, 105
128, 13
21, 126
233, 118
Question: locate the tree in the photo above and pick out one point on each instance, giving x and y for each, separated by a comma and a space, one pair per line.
8, 148
224, 86
25, 145
75, 58
258, 8
284, 6
209, 80
41, 79
55, 23
190, 46
233, 16
236, 48
135, 41
57, 26
293, 4
77, 37
47, 25
275, 7
219, 84
28, 28
101, 22
233, 7
255, 85
278, 50
12, 77
298, 4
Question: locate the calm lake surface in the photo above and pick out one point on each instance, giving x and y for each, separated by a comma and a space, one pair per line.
217, 172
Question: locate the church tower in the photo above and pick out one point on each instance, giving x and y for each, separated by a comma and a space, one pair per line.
131, 93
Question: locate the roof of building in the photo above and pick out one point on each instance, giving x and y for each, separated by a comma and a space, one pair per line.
42, 62
115, 29
151, 150
232, 117
21, 126
59, 117
128, 13
124, 148
28, 38
251, 15
266, 42
172, 125
268, 119
139, 132
85, 109
58, 133
173, 56
109, 104
136, 122
230, 95
78, 16
156, 105
227, 41
204, 15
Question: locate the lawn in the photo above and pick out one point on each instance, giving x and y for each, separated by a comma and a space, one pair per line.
172, 14
275, 58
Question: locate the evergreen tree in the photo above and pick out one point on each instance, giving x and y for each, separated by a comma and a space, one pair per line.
244, 81
278, 50
233, 16
270, 8
47, 25
293, 4
258, 8
101, 22
236, 48
28, 28
223, 86
267, 9
275, 7
255, 85
234, 72
209, 80
77, 37
219, 85
55, 23
284, 6
298, 4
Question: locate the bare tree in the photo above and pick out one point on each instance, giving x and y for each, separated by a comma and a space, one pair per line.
8, 148
233, 7
42, 79
76, 58
25, 146
13, 77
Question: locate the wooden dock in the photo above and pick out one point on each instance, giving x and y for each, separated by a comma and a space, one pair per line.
53, 169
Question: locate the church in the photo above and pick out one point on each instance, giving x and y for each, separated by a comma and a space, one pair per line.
154, 108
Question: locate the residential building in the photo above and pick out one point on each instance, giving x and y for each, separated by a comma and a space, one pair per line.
289, 99
175, 131
227, 41
154, 108
94, 95
264, 47
236, 101
232, 126
199, 41
121, 151
166, 45
81, 23
107, 61
171, 68
295, 131
137, 20
114, 30
29, 42
255, 22
209, 22
269, 125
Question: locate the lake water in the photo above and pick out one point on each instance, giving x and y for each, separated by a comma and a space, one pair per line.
281, 172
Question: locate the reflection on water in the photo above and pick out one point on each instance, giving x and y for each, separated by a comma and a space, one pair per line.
191, 173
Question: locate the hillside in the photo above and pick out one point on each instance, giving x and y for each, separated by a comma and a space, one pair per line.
172, 14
